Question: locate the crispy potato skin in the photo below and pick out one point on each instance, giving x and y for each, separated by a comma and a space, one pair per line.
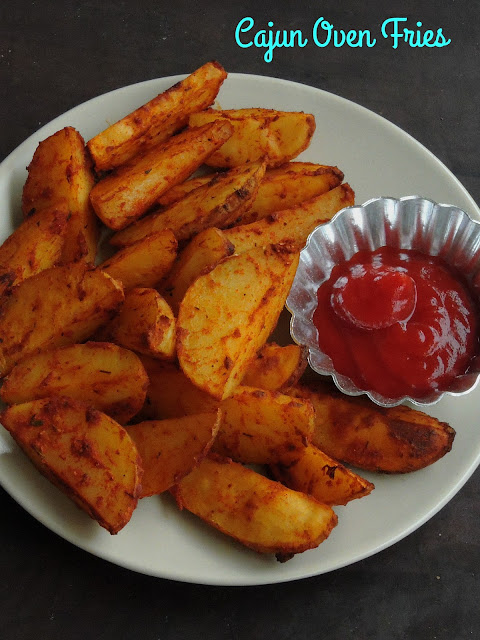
80, 299
220, 203
171, 394
274, 136
291, 226
263, 427
276, 367
256, 426
322, 477
245, 294
61, 170
86, 454
179, 191
127, 193
289, 185
258, 512
283, 187
103, 375
144, 263
170, 449
200, 256
158, 119
358, 432
145, 324
35, 245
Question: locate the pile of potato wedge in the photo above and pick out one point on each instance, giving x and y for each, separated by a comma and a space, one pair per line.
138, 300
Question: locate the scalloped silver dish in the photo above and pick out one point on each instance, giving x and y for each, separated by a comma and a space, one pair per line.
411, 222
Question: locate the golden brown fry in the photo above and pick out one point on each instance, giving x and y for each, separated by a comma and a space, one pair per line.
259, 134
128, 193
258, 512
292, 226
219, 203
276, 368
57, 307
171, 394
35, 245
103, 375
358, 432
200, 256
144, 263
86, 454
170, 449
322, 477
177, 192
157, 120
145, 324
281, 188
263, 427
61, 170
228, 314
289, 185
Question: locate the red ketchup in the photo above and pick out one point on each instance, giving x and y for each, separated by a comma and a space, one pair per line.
397, 322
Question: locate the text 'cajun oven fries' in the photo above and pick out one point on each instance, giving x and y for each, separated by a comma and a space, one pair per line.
158, 363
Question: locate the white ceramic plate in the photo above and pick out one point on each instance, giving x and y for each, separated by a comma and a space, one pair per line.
378, 160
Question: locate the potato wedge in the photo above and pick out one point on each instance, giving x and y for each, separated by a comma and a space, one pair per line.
179, 191
245, 295
219, 203
61, 170
281, 188
322, 477
358, 432
256, 425
291, 226
171, 394
127, 193
259, 134
86, 454
263, 427
144, 263
170, 449
276, 368
157, 120
80, 299
35, 245
200, 256
289, 185
145, 324
258, 512
103, 375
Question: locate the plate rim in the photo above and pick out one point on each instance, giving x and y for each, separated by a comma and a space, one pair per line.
275, 578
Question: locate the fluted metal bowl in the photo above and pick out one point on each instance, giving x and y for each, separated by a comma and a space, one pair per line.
407, 223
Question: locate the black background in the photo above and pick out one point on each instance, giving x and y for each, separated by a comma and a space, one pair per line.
55, 55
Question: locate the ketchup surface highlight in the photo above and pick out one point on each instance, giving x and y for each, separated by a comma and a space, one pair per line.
397, 322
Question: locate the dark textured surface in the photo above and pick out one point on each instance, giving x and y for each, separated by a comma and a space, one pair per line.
55, 55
